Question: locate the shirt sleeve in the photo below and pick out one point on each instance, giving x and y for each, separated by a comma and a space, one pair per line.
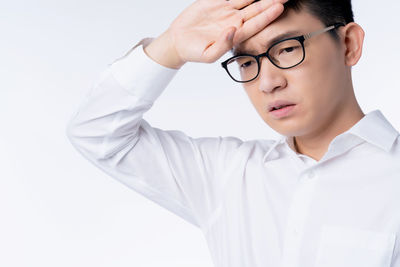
176, 171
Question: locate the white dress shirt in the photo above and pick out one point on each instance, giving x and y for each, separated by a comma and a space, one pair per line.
258, 202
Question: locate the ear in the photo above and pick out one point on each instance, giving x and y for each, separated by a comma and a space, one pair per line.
353, 36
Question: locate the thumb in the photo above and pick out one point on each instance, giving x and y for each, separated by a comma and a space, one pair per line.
221, 46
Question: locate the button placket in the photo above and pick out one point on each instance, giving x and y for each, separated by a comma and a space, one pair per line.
297, 216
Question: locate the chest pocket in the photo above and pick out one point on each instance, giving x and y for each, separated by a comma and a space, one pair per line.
354, 247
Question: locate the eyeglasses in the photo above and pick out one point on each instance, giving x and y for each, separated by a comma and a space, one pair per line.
284, 54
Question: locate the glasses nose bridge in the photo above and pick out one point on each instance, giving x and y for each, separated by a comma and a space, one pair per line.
265, 54
260, 56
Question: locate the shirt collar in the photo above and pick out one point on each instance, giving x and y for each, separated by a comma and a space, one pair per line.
376, 129
373, 128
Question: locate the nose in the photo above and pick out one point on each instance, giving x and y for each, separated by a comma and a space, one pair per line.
271, 77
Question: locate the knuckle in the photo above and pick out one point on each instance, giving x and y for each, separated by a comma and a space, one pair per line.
259, 7
268, 16
228, 4
258, 24
239, 17
242, 14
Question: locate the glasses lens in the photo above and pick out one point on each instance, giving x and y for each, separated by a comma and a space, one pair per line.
243, 68
287, 53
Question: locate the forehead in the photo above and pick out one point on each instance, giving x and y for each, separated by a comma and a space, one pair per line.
289, 24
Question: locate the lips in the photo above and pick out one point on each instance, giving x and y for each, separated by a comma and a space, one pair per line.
279, 104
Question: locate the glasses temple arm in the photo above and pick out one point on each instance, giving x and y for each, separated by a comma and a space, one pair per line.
309, 35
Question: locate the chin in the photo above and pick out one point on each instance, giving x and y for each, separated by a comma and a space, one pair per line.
294, 129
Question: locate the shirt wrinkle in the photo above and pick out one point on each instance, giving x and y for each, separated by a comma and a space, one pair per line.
258, 203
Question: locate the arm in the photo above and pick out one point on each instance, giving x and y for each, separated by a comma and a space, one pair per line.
179, 172
170, 168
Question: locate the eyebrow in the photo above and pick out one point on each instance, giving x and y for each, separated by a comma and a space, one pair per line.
237, 51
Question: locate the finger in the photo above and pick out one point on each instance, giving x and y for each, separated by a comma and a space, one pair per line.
238, 4
241, 4
220, 47
256, 8
259, 22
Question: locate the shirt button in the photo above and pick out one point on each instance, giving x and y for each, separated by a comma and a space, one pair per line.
311, 174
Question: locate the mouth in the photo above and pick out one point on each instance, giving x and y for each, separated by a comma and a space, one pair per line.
279, 104
280, 107
282, 111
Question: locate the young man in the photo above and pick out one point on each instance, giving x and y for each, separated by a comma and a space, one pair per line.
325, 194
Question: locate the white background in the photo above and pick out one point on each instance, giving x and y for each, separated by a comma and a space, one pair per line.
56, 209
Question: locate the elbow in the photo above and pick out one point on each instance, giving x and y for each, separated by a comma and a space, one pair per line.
88, 146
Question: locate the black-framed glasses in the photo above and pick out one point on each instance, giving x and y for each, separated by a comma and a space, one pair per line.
284, 54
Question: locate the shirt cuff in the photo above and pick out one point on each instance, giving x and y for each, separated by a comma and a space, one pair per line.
141, 75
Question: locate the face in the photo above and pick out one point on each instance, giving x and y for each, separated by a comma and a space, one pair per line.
318, 86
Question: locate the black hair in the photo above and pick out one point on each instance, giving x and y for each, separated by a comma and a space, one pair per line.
328, 12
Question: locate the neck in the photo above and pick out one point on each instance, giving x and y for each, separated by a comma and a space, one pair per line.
316, 143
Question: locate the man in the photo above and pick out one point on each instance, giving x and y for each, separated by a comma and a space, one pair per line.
325, 194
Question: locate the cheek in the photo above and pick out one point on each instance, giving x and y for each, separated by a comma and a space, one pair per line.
317, 79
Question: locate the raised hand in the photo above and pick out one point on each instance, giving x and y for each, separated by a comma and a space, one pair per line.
207, 29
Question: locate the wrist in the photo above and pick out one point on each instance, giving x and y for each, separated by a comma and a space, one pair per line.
162, 51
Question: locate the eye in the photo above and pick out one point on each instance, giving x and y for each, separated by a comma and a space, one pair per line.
289, 49
246, 64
